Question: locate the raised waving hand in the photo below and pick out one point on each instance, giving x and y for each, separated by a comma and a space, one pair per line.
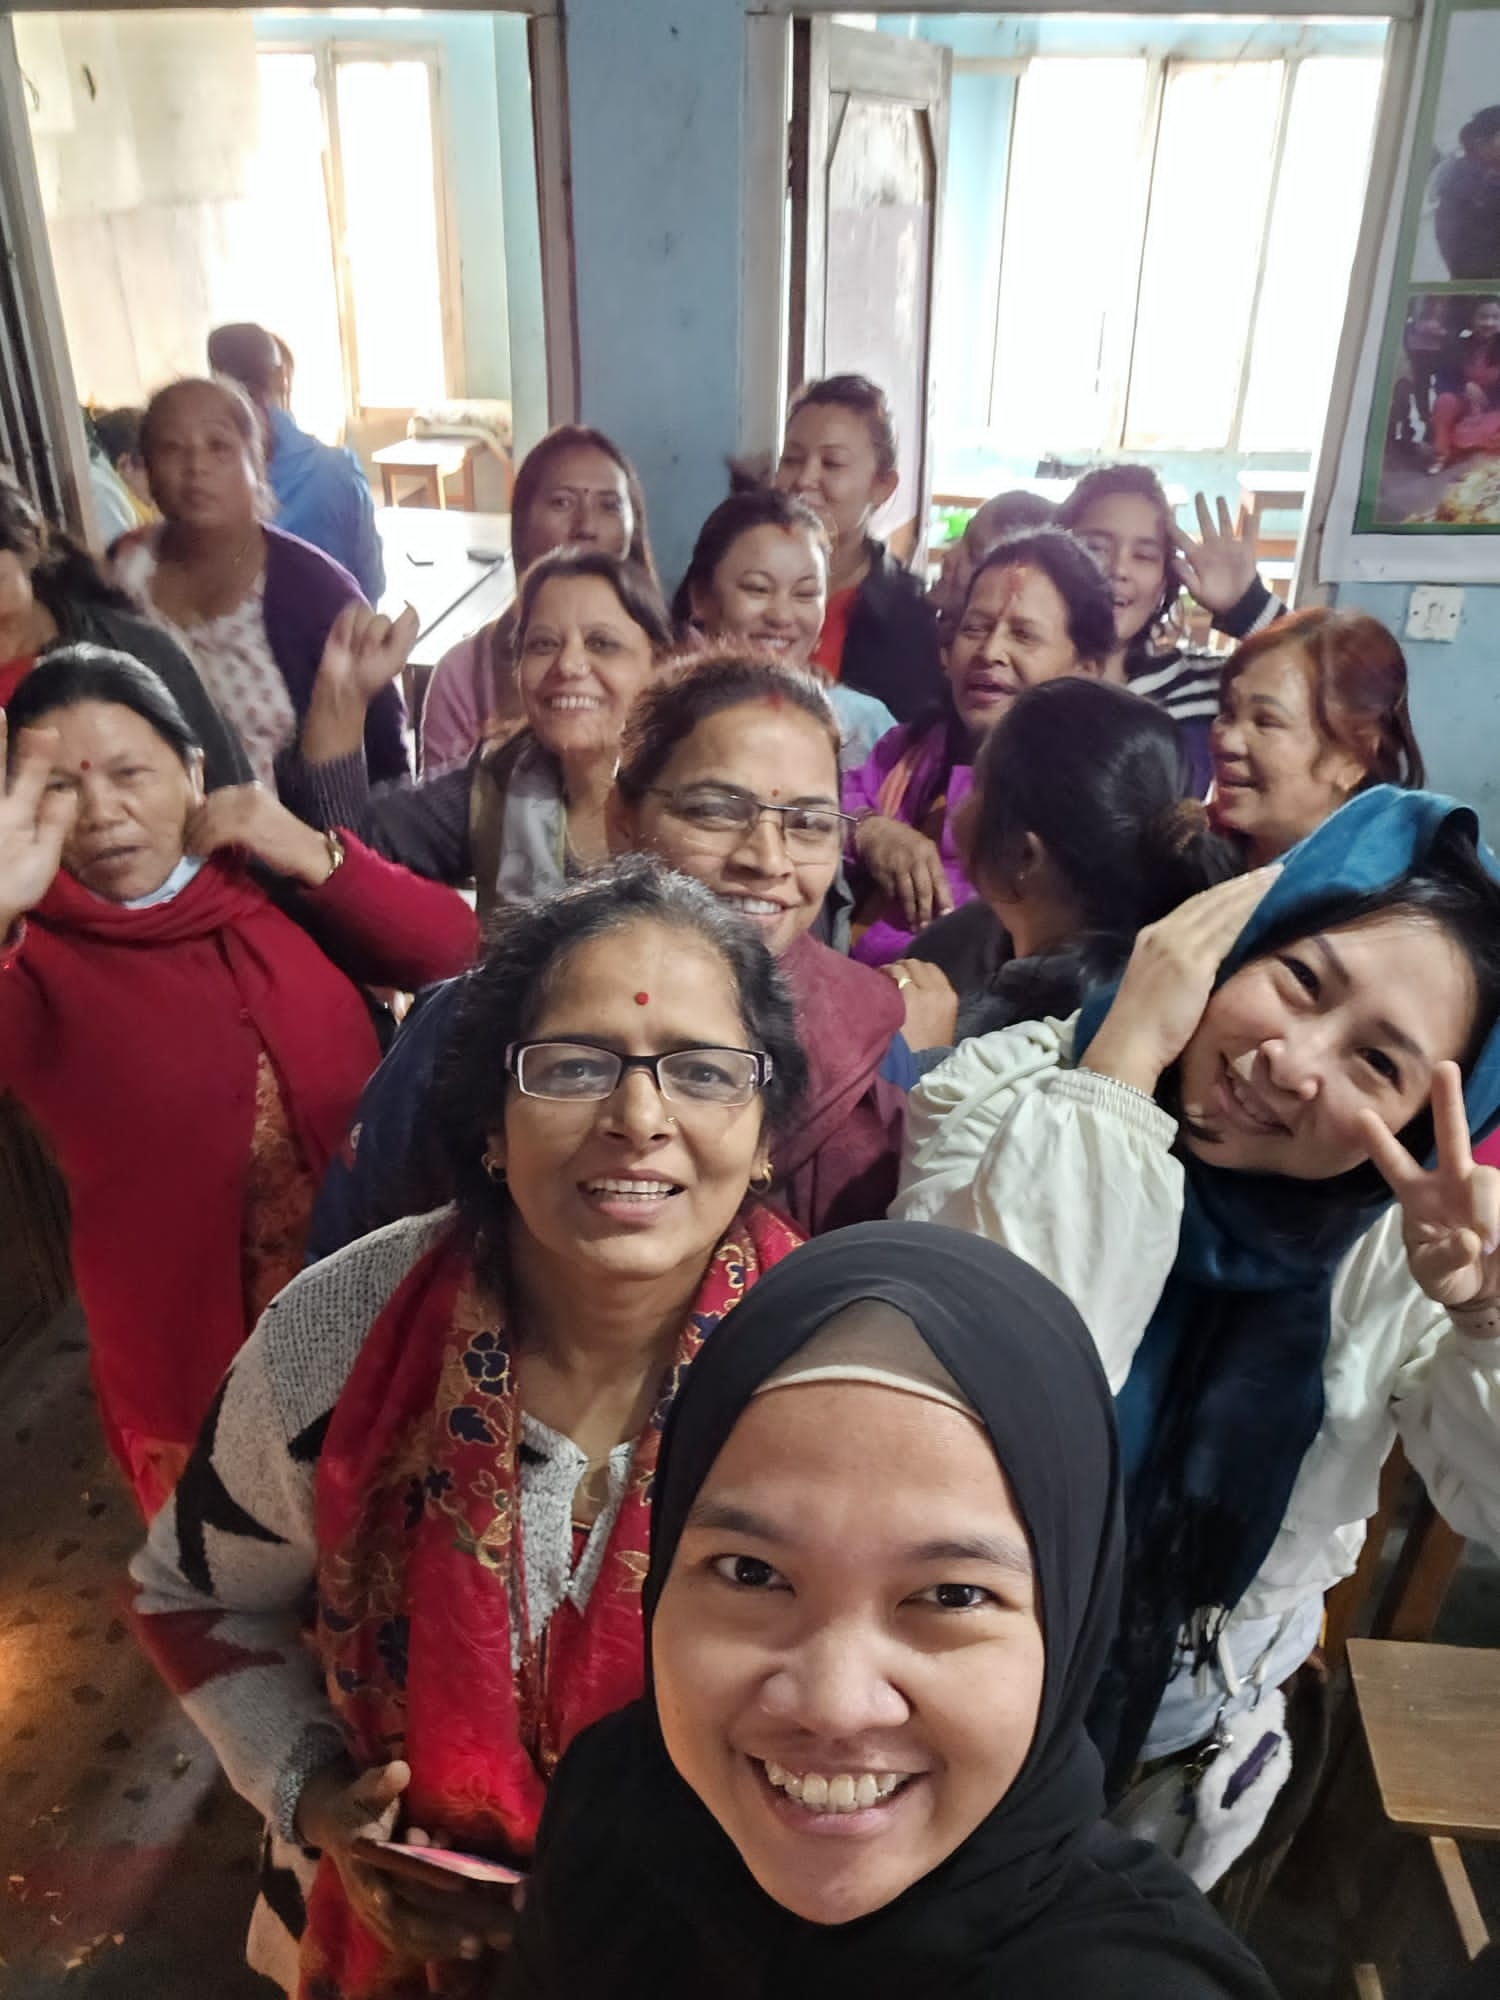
34, 823
1450, 1212
363, 653
1219, 567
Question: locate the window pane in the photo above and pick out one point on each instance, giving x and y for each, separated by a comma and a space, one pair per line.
281, 242
1060, 350
1208, 200
1313, 229
390, 212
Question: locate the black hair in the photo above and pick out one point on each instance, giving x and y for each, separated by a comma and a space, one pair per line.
1099, 776
1087, 601
528, 953
755, 507
635, 587
668, 713
249, 355
1141, 483
240, 409
1450, 888
1007, 514
62, 571
72, 674
864, 398
533, 472
119, 433
1073, 574
1481, 128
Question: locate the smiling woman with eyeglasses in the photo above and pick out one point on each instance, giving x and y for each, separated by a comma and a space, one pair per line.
446, 1433
730, 774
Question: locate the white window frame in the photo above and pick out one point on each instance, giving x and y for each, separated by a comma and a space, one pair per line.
60, 420
327, 52
1121, 315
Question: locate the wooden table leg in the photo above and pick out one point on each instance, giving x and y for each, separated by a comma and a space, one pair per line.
385, 485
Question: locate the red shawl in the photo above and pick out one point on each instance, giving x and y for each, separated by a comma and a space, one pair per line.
838, 1165
133, 1037
417, 1506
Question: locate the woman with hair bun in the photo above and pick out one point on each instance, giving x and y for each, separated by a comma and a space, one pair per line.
880, 632
1079, 833
759, 578
1311, 711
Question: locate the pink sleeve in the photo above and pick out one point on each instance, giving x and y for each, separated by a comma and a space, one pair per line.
459, 699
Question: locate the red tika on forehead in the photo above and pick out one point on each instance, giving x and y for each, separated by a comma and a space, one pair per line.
641, 999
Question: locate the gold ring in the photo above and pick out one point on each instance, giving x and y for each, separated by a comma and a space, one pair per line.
903, 980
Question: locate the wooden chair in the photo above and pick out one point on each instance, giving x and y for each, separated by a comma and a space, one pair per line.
1407, 1604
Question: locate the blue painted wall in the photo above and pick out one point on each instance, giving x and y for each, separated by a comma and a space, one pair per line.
1455, 693
472, 158
656, 110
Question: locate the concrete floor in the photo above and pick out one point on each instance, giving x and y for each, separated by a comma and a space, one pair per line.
127, 1863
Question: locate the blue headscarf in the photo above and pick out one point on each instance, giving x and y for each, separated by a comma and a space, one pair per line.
1225, 1394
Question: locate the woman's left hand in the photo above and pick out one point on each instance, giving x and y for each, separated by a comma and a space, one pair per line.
931, 1003
250, 817
363, 653
1220, 566
1450, 1214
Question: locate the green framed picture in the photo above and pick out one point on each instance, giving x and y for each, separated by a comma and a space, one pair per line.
1432, 452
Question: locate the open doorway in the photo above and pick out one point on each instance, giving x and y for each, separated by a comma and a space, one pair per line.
361, 186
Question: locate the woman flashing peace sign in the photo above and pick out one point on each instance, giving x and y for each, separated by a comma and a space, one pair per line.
1204, 1160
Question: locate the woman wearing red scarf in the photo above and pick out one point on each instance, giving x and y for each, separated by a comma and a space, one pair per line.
186, 1048
448, 1430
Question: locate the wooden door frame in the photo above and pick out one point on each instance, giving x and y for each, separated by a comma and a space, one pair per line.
827, 58
60, 420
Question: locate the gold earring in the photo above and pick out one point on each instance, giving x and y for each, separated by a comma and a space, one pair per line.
763, 1177
494, 1169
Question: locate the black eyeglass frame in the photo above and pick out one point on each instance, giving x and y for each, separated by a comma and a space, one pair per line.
764, 1068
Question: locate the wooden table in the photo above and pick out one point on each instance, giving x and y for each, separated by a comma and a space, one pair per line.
454, 569
431, 461
1425, 1776
1431, 1716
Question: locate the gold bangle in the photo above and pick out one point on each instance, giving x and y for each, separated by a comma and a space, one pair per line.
337, 854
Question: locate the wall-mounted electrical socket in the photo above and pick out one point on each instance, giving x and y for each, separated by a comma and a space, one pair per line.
1433, 612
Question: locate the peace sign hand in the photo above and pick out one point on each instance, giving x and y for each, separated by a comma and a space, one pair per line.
1450, 1214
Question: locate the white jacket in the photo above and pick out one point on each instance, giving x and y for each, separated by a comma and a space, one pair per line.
1075, 1173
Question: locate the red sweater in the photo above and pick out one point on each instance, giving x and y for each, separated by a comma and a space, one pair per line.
133, 1038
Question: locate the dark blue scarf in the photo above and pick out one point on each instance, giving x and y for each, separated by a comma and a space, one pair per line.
1225, 1394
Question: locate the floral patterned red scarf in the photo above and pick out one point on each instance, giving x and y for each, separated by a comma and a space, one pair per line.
417, 1513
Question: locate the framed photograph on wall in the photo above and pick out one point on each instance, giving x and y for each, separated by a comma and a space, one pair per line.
1431, 464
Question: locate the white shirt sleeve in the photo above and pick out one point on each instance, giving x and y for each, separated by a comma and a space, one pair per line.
1070, 1170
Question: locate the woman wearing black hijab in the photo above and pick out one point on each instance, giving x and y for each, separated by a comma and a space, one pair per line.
885, 1569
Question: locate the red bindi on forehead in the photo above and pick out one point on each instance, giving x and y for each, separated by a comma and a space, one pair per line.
641, 999
84, 764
